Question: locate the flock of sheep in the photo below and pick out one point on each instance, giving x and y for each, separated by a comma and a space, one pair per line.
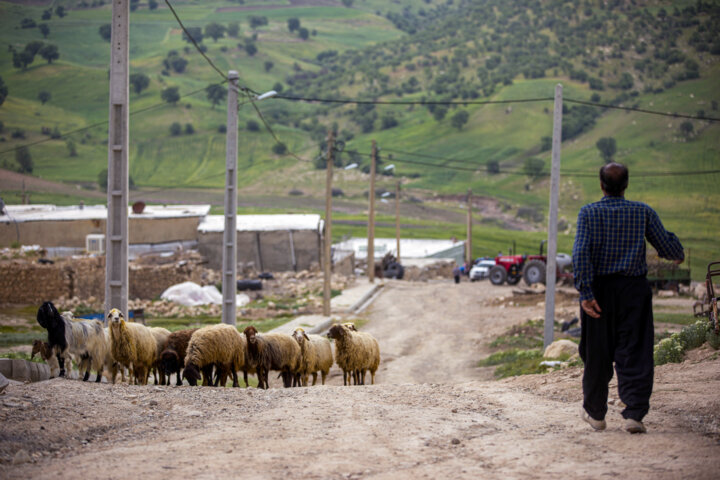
211, 354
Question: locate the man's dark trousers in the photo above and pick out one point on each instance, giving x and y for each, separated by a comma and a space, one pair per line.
623, 334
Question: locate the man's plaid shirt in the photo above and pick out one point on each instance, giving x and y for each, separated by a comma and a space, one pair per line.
611, 237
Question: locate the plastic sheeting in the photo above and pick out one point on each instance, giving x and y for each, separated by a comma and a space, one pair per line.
190, 294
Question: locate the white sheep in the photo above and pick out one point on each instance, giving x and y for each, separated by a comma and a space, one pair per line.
132, 345
315, 355
355, 352
220, 346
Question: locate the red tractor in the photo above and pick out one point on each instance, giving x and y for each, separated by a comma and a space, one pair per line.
531, 268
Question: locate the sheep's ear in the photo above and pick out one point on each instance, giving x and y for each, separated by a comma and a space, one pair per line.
306, 337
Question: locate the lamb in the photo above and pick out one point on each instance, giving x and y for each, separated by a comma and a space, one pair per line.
173, 356
161, 338
85, 339
355, 352
132, 344
218, 345
46, 353
315, 354
273, 351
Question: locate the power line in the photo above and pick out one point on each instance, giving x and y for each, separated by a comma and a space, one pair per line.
492, 102
412, 102
197, 47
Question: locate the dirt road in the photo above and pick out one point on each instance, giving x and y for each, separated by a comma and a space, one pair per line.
431, 414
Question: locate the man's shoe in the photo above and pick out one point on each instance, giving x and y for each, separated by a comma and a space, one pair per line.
633, 426
595, 424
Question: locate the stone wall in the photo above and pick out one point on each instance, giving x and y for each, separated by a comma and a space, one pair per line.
23, 282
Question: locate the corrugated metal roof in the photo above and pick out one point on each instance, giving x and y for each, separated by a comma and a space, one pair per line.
409, 247
35, 213
254, 223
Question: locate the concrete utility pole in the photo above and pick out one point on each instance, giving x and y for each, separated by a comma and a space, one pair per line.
468, 243
371, 218
397, 219
116, 237
551, 273
327, 272
229, 284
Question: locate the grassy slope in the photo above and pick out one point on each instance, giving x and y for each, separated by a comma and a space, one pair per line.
78, 83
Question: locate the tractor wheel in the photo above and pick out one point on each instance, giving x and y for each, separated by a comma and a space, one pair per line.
534, 272
497, 275
513, 280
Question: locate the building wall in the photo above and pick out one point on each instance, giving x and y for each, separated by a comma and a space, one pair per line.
268, 251
72, 233
27, 283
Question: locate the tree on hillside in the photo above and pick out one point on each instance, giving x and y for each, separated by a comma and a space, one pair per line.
152, 4
214, 31
460, 119
687, 129
279, 148
250, 49
72, 149
347, 3
533, 167
3, 91
27, 23
49, 52
139, 82
252, 126
257, 21
233, 30
170, 95
34, 47
44, 96
24, 160
607, 147
269, 65
195, 33
304, 33
105, 31
47, 14
493, 167
22, 59
175, 62
44, 29
215, 93
439, 112
134, 4
60, 11
293, 24
175, 129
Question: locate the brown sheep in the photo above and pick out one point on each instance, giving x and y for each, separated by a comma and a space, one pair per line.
272, 351
172, 357
219, 346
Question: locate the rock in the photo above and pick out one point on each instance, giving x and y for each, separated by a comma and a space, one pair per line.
455, 441
667, 293
560, 347
21, 457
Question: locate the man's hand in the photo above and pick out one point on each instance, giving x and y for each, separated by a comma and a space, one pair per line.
678, 262
591, 307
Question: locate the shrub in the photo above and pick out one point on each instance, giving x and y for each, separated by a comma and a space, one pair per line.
668, 350
713, 339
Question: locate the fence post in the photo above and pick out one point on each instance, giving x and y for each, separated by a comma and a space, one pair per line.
229, 284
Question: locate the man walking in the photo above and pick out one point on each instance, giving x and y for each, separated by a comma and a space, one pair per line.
616, 299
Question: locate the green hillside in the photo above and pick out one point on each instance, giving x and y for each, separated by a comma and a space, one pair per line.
654, 55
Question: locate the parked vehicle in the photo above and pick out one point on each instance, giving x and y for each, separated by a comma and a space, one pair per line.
531, 268
481, 269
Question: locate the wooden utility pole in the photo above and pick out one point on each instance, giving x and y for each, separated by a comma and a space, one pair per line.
229, 279
397, 220
116, 237
551, 272
328, 230
468, 242
371, 218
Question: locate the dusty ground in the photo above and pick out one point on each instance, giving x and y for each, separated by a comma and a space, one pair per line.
431, 414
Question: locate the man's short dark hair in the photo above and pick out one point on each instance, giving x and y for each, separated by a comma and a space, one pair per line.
614, 178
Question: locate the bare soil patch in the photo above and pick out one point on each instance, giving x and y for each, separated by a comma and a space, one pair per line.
432, 414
